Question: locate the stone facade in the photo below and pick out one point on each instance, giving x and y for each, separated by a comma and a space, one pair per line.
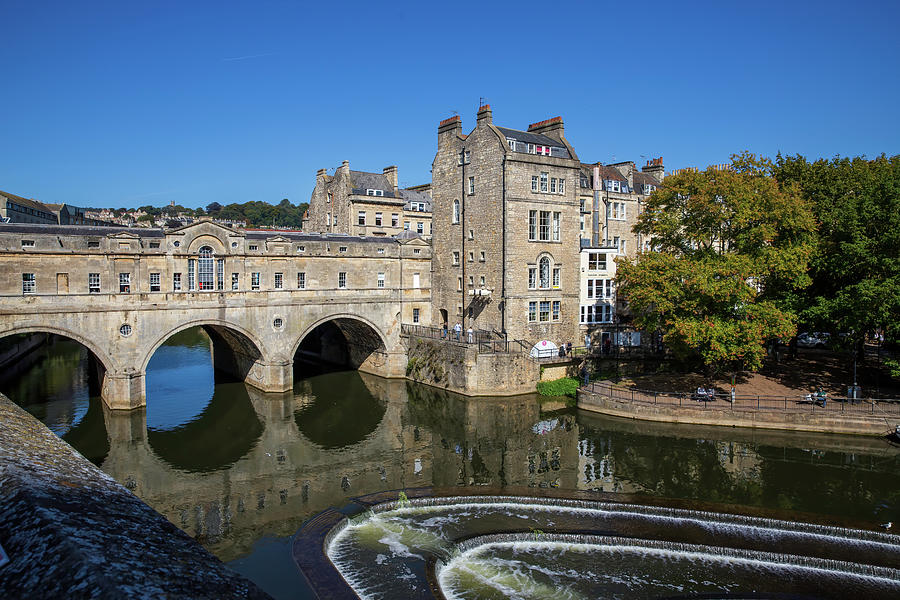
123, 292
362, 203
506, 229
612, 198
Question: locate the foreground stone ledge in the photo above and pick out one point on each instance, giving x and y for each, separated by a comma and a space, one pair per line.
71, 531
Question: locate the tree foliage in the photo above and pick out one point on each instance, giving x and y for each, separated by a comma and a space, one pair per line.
856, 268
731, 249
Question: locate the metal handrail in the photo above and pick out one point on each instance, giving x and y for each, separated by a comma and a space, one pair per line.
745, 402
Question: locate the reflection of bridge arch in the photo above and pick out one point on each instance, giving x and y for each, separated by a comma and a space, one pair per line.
366, 344
230, 505
325, 423
198, 446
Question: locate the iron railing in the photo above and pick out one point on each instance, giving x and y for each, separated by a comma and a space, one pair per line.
834, 405
486, 342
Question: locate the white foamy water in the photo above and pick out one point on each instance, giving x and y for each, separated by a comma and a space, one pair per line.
515, 550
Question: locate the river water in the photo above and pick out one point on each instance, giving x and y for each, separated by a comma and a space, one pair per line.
240, 470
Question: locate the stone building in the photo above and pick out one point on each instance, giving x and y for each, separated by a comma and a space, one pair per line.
362, 203
16, 209
612, 198
506, 229
38, 260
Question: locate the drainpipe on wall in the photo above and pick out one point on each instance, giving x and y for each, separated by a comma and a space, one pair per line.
462, 231
503, 253
595, 213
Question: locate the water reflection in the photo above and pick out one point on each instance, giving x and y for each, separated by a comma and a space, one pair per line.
54, 382
335, 410
225, 431
231, 465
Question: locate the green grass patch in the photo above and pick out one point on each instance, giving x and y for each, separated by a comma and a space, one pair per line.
566, 386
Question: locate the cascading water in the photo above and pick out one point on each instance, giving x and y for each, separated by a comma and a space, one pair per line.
511, 547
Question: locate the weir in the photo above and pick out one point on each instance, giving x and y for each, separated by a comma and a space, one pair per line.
504, 546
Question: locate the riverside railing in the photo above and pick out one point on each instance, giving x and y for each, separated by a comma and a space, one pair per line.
486, 342
834, 405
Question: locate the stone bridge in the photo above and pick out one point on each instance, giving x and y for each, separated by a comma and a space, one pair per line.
123, 292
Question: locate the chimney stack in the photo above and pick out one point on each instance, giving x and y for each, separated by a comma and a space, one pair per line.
484, 115
552, 127
449, 127
655, 168
391, 174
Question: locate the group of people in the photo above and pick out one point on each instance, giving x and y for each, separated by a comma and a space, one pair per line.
703, 394
457, 333
565, 349
817, 397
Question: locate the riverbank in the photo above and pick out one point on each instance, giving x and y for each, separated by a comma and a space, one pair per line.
770, 412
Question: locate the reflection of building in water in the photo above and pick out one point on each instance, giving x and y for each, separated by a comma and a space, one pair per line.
597, 466
282, 476
495, 441
739, 460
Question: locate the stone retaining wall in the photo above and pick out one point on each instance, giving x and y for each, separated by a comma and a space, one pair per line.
726, 415
71, 531
461, 368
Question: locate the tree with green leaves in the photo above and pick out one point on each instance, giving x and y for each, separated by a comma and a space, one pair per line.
730, 251
856, 268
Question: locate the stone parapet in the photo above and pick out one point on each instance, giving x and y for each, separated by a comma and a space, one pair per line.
71, 531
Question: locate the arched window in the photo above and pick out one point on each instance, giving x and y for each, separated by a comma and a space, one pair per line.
456, 211
544, 272
205, 268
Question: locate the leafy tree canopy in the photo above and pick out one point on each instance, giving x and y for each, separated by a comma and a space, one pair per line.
731, 249
856, 268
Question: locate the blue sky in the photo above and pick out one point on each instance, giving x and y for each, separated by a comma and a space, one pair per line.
133, 103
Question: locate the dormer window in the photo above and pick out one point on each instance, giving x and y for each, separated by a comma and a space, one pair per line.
529, 148
648, 189
613, 185
371, 192
512, 143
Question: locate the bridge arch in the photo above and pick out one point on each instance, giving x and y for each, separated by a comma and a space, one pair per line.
366, 344
244, 346
105, 358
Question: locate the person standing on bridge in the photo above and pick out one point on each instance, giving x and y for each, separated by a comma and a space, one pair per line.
469, 332
457, 330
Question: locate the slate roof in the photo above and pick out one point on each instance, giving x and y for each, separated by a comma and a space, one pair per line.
611, 173
300, 236
27, 203
644, 179
529, 138
50, 229
416, 196
361, 181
